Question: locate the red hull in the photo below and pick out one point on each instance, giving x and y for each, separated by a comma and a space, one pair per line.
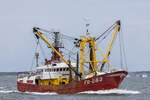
100, 82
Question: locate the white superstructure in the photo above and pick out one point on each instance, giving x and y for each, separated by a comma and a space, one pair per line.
50, 71
54, 70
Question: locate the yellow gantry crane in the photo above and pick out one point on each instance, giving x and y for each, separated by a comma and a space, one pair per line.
91, 40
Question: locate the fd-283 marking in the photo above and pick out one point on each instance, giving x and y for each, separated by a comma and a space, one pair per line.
93, 80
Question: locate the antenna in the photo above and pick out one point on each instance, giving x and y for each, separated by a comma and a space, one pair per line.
87, 25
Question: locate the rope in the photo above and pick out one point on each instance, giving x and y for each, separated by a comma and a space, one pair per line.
34, 56
121, 60
43, 53
50, 32
108, 32
105, 32
123, 49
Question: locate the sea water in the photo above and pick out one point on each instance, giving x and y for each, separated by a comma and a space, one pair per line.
132, 88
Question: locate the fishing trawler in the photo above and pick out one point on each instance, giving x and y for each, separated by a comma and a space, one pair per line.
68, 77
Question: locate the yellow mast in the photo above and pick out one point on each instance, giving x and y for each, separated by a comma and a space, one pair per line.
83, 41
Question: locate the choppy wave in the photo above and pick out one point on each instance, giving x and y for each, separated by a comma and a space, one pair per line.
113, 91
8, 91
32, 93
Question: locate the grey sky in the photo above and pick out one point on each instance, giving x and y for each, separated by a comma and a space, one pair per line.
17, 17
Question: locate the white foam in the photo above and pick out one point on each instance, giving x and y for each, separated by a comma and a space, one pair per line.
38, 93
113, 91
32, 93
8, 91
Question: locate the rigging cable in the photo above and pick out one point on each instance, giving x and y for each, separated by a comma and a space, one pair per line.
43, 53
65, 36
125, 85
105, 32
34, 56
108, 33
121, 59
123, 49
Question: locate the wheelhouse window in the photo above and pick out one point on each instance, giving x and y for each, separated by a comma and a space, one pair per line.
54, 64
67, 69
53, 70
57, 69
46, 70
39, 70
